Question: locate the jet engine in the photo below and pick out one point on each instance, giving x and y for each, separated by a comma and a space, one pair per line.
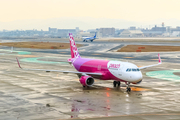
86, 80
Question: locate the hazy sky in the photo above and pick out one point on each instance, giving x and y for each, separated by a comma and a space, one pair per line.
136, 10
131, 10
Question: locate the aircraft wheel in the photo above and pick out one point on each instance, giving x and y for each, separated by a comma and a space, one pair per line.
128, 89
119, 83
114, 83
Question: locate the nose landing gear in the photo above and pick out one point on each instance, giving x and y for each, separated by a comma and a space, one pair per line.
128, 89
118, 83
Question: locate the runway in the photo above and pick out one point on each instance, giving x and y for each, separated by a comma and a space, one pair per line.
40, 95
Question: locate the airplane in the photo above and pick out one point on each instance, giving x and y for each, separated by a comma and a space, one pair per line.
89, 69
85, 39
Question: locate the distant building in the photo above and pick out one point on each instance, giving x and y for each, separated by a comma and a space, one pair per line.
84, 34
77, 30
149, 33
107, 32
131, 33
175, 34
175, 29
65, 32
162, 29
132, 28
118, 32
52, 30
155, 31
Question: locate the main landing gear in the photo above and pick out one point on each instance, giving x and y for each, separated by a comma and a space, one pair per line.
118, 83
128, 89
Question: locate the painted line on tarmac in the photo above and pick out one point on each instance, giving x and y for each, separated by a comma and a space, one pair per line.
137, 89
131, 115
63, 52
96, 54
164, 74
19, 52
32, 58
128, 57
35, 60
26, 56
157, 59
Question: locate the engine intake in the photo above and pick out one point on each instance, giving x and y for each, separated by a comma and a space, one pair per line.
86, 80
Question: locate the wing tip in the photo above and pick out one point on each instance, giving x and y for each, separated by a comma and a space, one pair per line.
160, 61
18, 63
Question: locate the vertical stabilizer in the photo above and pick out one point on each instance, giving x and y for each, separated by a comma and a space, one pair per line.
95, 35
74, 50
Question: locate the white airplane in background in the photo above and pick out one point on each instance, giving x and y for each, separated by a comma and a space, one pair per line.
88, 69
86, 39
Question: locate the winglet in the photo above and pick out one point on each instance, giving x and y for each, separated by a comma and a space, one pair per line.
18, 63
159, 59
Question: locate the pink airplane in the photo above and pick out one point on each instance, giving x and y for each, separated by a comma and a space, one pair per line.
88, 69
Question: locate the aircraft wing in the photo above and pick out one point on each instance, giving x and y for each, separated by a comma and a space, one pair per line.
160, 62
74, 72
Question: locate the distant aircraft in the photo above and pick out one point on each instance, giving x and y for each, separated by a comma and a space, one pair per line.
86, 39
88, 69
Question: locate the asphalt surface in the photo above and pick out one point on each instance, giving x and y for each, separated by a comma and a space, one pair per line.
32, 95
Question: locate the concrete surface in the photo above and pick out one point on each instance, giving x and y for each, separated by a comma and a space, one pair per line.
32, 95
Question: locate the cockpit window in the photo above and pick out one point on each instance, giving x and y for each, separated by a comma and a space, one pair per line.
132, 69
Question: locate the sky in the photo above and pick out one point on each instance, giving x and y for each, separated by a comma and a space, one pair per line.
144, 11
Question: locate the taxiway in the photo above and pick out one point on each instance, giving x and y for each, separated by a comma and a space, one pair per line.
40, 95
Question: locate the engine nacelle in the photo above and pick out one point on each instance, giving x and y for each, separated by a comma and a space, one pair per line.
86, 80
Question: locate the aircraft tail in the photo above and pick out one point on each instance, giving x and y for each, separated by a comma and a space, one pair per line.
95, 35
74, 50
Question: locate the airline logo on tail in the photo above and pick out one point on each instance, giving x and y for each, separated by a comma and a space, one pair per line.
74, 51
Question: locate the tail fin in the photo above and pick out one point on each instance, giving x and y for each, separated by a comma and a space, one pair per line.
74, 51
95, 35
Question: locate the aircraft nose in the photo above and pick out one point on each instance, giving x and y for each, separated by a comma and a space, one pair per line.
136, 77
139, 77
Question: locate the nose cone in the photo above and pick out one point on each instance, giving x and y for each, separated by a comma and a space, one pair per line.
136, 77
